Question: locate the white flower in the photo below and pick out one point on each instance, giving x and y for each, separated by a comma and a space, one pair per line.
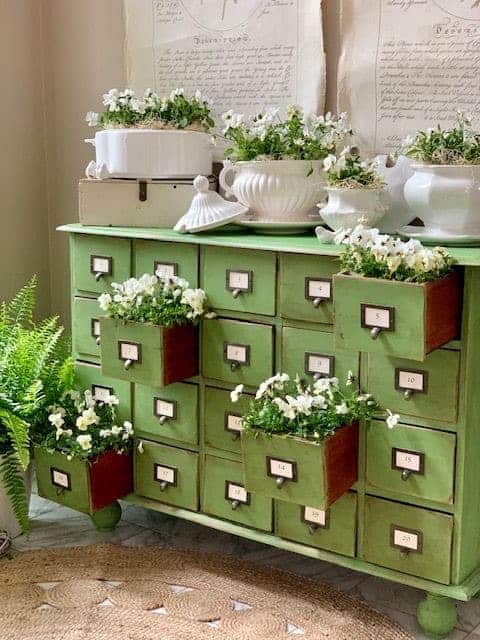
85, 442
329, 162
392, 419
138, 105
87, 418
195, 298
235, 394
116, 431
140, 446
92, 118
105, 433
111, 100
176, 92
342, 408
128, 427
198, 95
105, 300
285, 407
56, 419
350, 378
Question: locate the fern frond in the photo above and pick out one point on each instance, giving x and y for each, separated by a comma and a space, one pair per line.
15, 489
20, 308
17, 430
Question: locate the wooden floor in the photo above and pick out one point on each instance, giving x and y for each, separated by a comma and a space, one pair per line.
55, 526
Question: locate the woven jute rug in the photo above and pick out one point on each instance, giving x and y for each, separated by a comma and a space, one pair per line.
108, 592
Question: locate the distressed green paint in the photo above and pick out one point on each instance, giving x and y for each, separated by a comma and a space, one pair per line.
258, 339
434, 482
298, 343
256, 514
407, 338
433, 562
78, 496
185, 464
182, 426
89, 375
339, 534
294, 300
217, 262
183, 259
84, 344
437, 616
84, 247
438, 405
218, 406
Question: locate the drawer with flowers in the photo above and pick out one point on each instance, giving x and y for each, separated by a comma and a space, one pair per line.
89, 376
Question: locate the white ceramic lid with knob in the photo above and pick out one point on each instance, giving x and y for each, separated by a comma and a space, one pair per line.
208, 210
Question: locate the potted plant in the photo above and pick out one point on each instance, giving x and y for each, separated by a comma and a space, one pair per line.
84, 460
152, 137
300, 442
444, 191
400, 298
34, 371
354, 191
277, 163
150, 332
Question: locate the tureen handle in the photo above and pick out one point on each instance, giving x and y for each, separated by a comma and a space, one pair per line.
222, 178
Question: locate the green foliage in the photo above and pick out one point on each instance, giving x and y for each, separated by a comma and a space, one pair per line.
459, 145
349, 171
34, 368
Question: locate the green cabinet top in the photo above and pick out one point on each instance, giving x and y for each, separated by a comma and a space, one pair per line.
468, 256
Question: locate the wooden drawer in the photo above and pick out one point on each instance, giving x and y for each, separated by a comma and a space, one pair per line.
222, 419
239, 279
224, 495
411, 461
408, 539
167, 474
86, 329
333, 529
428, 391
312, 354
392, 318
171, 258
306, 290
90, 376
98, 261
171, 412
237, 352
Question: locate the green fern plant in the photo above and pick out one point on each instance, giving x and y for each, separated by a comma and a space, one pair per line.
35, 370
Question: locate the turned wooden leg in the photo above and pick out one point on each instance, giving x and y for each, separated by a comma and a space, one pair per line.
437, 616
107, 518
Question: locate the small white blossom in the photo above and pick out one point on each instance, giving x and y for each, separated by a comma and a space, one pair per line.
85, 442
92, 118
392, 419
236, 393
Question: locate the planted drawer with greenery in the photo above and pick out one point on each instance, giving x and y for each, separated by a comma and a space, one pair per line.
403, 319
166, 258
170, 413
306, 287
411, 462
90, 376
333, 529
224, 495
166, 474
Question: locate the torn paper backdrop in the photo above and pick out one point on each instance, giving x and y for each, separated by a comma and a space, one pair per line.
241, 54
406, 65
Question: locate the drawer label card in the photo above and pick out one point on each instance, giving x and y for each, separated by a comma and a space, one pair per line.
406, 539
95, 328
233, 422
236, 353
164, 473
375, 316
129, 351
318, 288
412, 379
318, 363
165, 269
164, 408
241, 280
101, 264
236, 492
310, 515
411, 460
101, 393
60, 479
282, 468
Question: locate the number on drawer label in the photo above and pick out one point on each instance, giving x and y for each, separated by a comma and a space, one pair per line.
233, 422
374, 316
60, 478
315, 516
412, 379
318, 288
406, 539
101, 264
236, 353
410, 460
239, 280
165, 269
282, 468
129, 351
164, 408
321, 364
236, 492
164, 473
